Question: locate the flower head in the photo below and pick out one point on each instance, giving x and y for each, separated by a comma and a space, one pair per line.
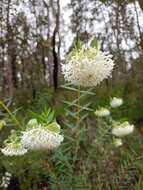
42, 138
102, 112
87, 67
116, 102
12, 149
122, 129
13, 145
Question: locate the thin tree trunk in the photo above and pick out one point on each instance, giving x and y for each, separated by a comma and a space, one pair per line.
56, 47
7, 75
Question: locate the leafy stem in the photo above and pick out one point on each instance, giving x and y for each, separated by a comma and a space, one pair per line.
10, 113
78, 105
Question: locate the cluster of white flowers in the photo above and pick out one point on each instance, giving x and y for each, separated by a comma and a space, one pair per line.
122, 129
87, 67
12, 149
119, 129
40, 138
13, 145
116, 102
5, 181
102, 112
35, 137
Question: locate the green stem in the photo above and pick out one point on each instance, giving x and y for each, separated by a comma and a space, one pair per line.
58, 184
10, 113
78, 105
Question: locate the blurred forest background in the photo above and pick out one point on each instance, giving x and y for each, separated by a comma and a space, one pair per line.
36, 36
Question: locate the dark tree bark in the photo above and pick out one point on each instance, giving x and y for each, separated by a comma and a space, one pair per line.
7, 74
55, 61
56, 47
14, 73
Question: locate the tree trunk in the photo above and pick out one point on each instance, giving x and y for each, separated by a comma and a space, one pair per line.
7, 61
56, 47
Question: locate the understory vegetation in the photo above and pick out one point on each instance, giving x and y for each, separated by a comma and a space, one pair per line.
88, 158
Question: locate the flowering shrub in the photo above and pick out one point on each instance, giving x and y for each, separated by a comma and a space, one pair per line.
81, 154
118, 129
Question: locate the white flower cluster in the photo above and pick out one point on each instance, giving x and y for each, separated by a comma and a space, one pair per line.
116, 102
119, 129
87, 67
13, 145
122, 129
35, 137
102, 112
40, 138
5, 181
13, 150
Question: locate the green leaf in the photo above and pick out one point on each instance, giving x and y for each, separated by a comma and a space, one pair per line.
77, 44
54, 127
2, 124
94, 43
32, 123
47, 116
50, 116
